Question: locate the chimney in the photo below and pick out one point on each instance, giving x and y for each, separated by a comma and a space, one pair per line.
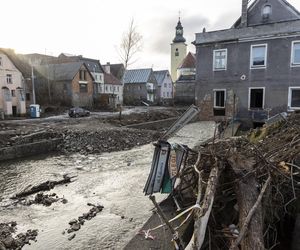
107, 68
244, 17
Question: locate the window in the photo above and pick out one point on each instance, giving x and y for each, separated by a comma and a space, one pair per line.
219, 98
13, 93
0, 61
220, 59
165, 85
256, 98
118, 88
294, 98
266, 12
82, 75
83, 88
258, 56
106, 88
176, 52
295, 58
167, 94
9, 78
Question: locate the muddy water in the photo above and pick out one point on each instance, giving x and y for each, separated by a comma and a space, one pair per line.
115, 180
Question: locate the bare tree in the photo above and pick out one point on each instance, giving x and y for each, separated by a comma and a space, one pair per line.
131, 44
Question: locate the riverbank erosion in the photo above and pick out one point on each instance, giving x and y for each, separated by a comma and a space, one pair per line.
87, 135
241, 193
113, 180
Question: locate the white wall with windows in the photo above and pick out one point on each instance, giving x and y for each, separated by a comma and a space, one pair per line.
12, 100
167, 88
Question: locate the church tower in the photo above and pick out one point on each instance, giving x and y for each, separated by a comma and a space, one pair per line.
178, 50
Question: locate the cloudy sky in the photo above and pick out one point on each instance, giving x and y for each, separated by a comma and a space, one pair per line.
93, 28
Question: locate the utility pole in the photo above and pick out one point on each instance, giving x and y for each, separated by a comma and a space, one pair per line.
32, 83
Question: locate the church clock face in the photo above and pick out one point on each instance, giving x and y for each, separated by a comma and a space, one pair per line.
179, 32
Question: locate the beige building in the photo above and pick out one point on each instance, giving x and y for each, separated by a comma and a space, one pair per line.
178, 50
12, 97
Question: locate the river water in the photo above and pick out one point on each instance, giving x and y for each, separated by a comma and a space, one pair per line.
114, 180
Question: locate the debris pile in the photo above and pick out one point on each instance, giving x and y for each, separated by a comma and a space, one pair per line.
45, 186
76, 224
8, 241
45, 199
87, 142
242, 190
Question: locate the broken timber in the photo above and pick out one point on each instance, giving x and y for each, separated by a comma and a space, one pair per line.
45, 186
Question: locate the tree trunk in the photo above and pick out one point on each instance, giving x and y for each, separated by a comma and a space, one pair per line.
247, 195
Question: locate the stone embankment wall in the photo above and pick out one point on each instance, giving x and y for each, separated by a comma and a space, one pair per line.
29, 149
154, 125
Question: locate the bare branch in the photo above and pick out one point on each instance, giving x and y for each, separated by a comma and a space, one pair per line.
131, 44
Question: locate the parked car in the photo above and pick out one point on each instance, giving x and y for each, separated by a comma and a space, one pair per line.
78, 112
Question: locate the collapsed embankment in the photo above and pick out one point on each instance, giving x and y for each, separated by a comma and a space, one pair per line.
85, 135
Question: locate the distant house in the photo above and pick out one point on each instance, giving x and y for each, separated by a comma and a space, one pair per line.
140, 85
185, 84
116, 70
165, 88
12, 85
71, 83
252, 70
93, 65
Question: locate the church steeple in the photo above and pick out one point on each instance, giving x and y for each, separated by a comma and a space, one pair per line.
179, 33
178, 50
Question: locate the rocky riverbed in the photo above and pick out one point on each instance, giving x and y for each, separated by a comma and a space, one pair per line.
8, 239
114, 180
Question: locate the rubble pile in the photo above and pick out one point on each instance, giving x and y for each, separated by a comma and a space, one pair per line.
76, 224
105, 141
44, 199
8, 241
244, 189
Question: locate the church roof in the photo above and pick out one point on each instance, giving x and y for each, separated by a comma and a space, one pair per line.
188, 62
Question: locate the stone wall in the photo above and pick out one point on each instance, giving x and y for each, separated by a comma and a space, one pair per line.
29, 149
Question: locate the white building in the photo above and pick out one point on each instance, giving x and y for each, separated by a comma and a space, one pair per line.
165, 86
12, 97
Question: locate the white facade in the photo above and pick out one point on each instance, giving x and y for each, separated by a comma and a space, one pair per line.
150, 91
98, 81
167, 90
113, 89
12, 97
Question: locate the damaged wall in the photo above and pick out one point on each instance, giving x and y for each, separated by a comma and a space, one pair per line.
276, 78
